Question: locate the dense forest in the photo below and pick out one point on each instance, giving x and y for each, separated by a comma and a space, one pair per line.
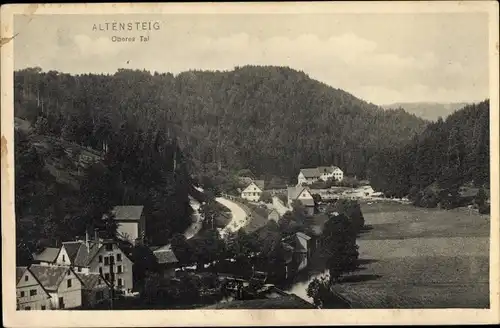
447, 155
137, 168
271, 120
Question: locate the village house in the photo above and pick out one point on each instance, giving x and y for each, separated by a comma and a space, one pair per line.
98, 256
95, 289
253, 191
61, 283
30, 294
309, 176
167, 260
131, 223
304, 196
273, 215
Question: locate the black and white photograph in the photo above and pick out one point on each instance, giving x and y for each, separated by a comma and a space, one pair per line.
250, 159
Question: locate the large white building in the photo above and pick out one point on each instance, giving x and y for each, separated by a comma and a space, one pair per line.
321, 173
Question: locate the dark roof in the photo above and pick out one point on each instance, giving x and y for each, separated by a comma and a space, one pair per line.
90, 280
165, 255
127, 213
71, 248
310, 173
49, 276
285, 302
260, 184
19, 273
49, 254
78, 253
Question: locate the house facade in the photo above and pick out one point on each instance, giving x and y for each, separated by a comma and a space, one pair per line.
253, 191
62, 284
30, 294
131, 223
304, 196
95, 289
322, 173
273, 215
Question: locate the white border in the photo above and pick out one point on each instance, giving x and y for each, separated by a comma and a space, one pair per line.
150, 318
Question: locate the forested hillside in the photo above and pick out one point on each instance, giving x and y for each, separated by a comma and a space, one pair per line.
271, 120
60, 194
446, 155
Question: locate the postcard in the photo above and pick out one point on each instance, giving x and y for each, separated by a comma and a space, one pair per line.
236, 164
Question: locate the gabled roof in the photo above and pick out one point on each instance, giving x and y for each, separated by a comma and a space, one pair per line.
127, 213
71, 248
49, 255
50, 277
165, 255
260, 184
78, 253
20, 272
310, 173
91, 280
294, 193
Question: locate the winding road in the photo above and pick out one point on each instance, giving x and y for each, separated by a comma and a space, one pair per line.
239, 216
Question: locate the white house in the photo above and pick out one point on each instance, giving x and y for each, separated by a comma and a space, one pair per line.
253, 191
303, 195
30, 294
131, 223
62, 284
310, 175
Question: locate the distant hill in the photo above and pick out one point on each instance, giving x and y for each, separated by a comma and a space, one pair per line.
271, 120
428, 110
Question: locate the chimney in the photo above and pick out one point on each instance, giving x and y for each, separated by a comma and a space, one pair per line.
87, 240
96, 237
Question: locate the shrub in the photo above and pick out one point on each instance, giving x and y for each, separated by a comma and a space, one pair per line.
484, 209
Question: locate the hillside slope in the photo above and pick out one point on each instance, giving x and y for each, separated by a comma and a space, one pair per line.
272, 120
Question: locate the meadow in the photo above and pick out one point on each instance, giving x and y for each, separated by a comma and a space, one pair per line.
414, 257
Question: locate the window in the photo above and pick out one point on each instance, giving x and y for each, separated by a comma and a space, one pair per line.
106, 276
100, 258
64, 258
109, 247
32, 292
22, 293
43, 307
119, 269
26, 278
118, 257
111, 259
106, 260
100, 270
28, 308
120, 283
79, 269
69, 283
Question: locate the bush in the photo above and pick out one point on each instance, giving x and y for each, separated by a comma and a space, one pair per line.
430, 199
484, 209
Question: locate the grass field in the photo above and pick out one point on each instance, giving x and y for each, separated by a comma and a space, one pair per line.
414, 258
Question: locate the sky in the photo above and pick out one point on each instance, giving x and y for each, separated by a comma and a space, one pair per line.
381, 58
